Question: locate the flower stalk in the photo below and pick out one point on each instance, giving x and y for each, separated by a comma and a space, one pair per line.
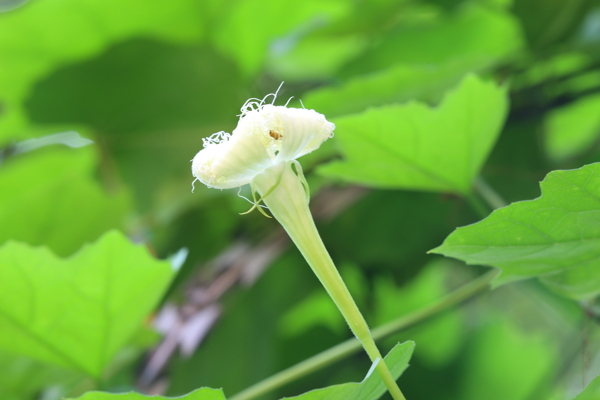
288, 203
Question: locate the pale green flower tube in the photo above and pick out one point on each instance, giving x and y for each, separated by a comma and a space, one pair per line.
262, 152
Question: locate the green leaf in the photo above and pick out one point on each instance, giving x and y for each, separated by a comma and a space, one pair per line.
502, 362
591, 391
473, 32
572, 129
315, 57
414, 146
175, 105
22, 377
555, 237
77, 312
198, 394
372, 387
49, 197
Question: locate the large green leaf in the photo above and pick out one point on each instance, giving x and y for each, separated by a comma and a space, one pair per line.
372, 387
77, 312
591, 391
555, 237
50, 197
198, 394
414, 146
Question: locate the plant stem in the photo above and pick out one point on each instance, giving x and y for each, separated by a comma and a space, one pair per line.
477, 205
351, 346
487, 193
288, 203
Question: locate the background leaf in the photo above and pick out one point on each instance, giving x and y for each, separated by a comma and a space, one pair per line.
573, 129
75, 208
504, 362
555, 237
469, 33
413, 146
34, 39
440, 338
77, 312
244, 34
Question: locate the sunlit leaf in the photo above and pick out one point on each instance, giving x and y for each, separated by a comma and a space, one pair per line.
414, 146
372, 387
50, 197
77, 312
572, 129
555, 237
199, 394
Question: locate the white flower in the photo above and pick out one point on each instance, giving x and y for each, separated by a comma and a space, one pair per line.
266, 135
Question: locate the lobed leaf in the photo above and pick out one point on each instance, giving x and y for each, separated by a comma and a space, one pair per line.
77, 312
414, 146
555, 237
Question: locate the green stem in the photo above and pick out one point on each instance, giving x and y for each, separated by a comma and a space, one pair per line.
487, 193
288, 203
351, 346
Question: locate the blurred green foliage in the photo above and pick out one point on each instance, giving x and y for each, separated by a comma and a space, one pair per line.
477, 92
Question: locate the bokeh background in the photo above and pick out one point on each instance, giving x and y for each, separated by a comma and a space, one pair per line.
145, 81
